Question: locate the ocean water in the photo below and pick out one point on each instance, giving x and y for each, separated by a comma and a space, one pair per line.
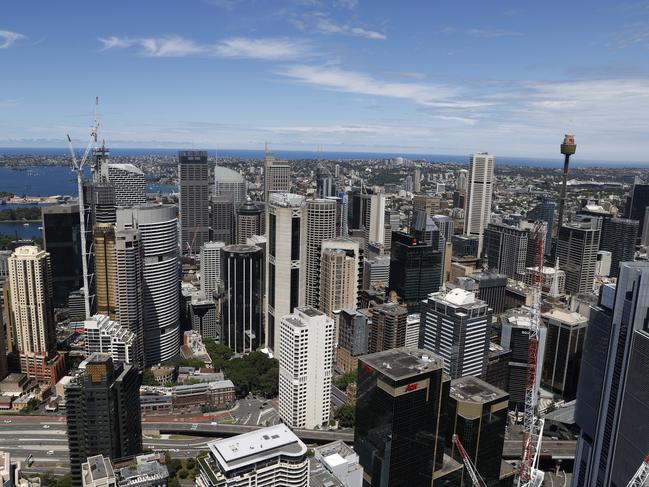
20, 230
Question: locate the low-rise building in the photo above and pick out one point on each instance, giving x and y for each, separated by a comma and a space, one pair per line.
340, 461
97, 471
193, 397
17, 384
148, 471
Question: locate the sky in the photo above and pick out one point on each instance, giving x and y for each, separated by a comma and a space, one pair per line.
409, 76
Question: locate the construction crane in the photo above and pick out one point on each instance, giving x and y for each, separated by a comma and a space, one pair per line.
476, 479
533, 424
78, 166
641, 475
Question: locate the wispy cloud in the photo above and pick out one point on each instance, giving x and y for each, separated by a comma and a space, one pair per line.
235, 47
7, 38
634, 34
224, 4
483, 32
327, 26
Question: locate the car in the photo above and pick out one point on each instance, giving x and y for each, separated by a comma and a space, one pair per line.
7, 421
545, 450
46, 426
50, 452
214, 423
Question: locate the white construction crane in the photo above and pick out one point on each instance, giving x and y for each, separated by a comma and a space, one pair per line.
641, 476
78, 166
476, 479
529, 475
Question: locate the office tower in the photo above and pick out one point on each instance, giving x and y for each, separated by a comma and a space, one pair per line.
505, 249
158, 228
99, 198
514, 331
455, 325
413, 324
243, 280
249, 221
603, 264
325, 185
612, 397
491, 289
339, 275
498, 366
263, 458
320, 225
416, 181
105, 269
277, 176
477, 414
129, 183
445, 225
544, 211
619, 236
402, 397
103, 412
30, 287
223, 219
229, 184
373, 217
637, 203
577, 246
285, 262
193, 179
388, 326
408, 185
563, 351
203, 314
62, 240
211, 266
376, 272
104, 335
462, 181
353, 339
428, 204
424, 230
477, 210
305, 365
415, 269
551, 276
465, 245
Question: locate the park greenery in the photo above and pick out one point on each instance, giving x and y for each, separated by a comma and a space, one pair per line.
345, 415
342, 381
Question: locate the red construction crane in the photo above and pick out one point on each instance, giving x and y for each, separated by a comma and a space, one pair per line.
641, 475
476, 479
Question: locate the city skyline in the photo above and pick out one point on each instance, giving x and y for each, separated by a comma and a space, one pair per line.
344, 76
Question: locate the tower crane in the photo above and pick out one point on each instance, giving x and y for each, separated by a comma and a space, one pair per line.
78, 166
476, 479
641, 476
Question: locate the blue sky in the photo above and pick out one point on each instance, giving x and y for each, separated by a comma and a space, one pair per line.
392, 76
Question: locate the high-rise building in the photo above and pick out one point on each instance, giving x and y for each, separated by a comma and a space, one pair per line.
376, 272
612, 397
602, 266
388, 327
105, 269
544, 211
491, 289
426, 203
320, 225
104, 335
339, 275
402, 397
249, 221
193, 178
577, 247
415, 268
277, 176
477, 211
204, 314
267, 457
563, 351
305, 365
129, 183
619, 236
325, 184
353, 339
285, 262
477, 414
229, 183
373, 217
636, 205
158, 228
505, 249
462, 181
103, 412
243, 280
62, 240
223, 219
211, 267
30, 287
99, 198
455, 325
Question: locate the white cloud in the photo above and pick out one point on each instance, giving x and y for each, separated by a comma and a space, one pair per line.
7, 38
483, 32
327, 26
268, 48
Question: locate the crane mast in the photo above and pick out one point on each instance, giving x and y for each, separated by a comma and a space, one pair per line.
476, 479
641, 476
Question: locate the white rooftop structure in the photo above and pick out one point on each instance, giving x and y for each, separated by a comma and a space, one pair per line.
460, 297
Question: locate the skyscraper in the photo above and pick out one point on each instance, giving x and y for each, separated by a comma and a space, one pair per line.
129, 183
505, 249
339, 274
229, 183
353, 338
577, 247
277, 176
249, 221
103, 412
401, 407
373, 217
286, 260
193, 177
320, 225
612, 397
477, 211
99, 198
305, 365
105, 269
455, 325
104, 335
637, 203
243, 281
387, 327
376, 272
62, 240
211, 266
325, 185
158, 227
619, 236
223, 219
462, 181
30, 287
544, 211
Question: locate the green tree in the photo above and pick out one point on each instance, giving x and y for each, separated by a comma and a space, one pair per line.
174, 466
342, 381
148, 379
346, 415
183, 474
173, 482
190, 463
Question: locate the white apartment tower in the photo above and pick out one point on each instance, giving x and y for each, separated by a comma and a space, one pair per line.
277, 176
305, 364
320, 225
107, 336
477, 211
130, 184
211, 266
339, 275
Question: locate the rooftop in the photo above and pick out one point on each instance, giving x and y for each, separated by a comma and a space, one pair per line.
567, 317
286, 200
126, 167
225, 175
402, 363
472, 389
95, 468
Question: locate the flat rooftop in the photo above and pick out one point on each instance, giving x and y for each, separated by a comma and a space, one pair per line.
402, 363
567, 317
256, 446
472, 389
96, 468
